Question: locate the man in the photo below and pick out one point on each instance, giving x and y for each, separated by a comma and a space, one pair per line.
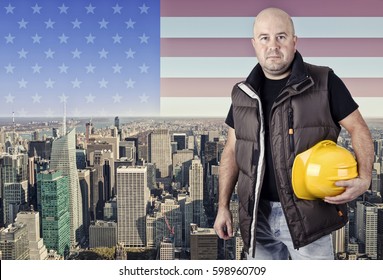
285, 107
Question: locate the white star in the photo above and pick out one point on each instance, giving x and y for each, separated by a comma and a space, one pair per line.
76, 53
144, 38
9, 68
36, 68
63, 39
117, 9
63, 68
49, 24
9, 9
144, 9
117, 98
117, 39
144, 68
144, 98
9, 38
36, 39
76, 83
76, 24
130, 53
36, 98
103, 83
22, 24
130, 83
90, 68
90, 98
90, 38
9, 98
63, 98
63, 9
103, 53
49, 53
36, 9
117, 68
22, 112
22, 53
23, 83
103, 24
49, 83
130, 24
90, 9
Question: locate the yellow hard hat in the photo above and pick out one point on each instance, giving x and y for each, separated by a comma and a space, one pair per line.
316, 170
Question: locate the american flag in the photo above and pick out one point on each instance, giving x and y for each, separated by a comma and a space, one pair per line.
169, 57
100, 58
206, 49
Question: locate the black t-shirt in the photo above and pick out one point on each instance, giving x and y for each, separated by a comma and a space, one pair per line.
341, 105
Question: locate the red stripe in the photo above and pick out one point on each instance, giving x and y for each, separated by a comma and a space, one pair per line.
233, 47
350, 8
221, 87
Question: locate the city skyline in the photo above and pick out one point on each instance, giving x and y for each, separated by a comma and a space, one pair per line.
111, 158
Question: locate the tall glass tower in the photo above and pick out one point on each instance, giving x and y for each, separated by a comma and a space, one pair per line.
63, 158
55, 218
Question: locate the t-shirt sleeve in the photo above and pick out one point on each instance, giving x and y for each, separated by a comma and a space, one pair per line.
229, 119
341, 102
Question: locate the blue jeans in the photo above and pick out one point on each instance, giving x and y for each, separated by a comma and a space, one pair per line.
273, 240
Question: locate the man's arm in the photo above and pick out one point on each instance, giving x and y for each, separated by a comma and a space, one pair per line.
364, 151
228, 175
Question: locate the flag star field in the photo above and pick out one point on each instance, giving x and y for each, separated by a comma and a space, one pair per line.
102, 58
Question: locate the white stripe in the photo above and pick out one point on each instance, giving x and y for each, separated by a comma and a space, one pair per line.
241, 27
260, 166
370, 107
229, 67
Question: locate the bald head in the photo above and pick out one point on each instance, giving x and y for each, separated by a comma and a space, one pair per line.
274, 42
272, 15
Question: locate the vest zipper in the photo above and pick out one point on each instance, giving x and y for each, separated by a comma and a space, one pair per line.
291, 128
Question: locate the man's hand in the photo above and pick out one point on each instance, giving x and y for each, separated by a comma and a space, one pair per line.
223, 223
353, 189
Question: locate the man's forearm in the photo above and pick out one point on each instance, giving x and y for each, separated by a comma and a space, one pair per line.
228, 175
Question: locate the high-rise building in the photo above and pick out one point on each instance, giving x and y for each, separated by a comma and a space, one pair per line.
180, 139
167, 250
367, 224
85, 186
63, 158
196, 190
41, 149
171, 211
14, 244
181, 161
110, 210
380, 234
203, 243
13, 184
132, 204
102, 234
55, 211
159, 151
37, 249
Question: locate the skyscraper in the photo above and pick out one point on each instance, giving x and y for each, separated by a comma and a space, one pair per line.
159, 151
180, 138
31, 219
203, 243
14, 243
132, 203
14, 184
55, 211
63, 158
196, 190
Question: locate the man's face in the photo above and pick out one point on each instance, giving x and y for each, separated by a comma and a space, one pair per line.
275, 45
